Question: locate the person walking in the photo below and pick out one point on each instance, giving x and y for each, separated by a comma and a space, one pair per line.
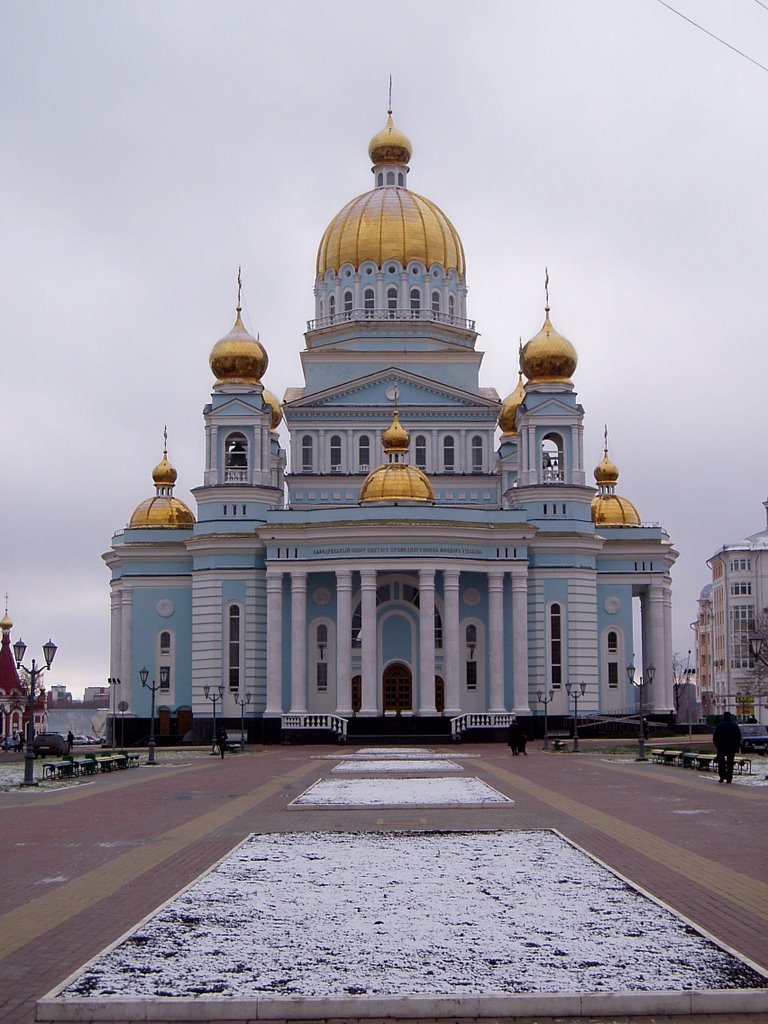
513, 738
70, 741
727, 741
222, 740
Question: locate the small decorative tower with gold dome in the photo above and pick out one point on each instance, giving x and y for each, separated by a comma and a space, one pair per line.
608, 507
162, 511
395, 482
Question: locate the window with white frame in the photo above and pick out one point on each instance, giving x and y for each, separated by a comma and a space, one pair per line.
236, 458
234, 628
420, 451
335, 453
449, 454
555, 647
165, 659
307, 453
364, 453
477, 454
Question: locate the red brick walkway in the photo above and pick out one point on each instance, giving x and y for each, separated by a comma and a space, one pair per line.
83, 864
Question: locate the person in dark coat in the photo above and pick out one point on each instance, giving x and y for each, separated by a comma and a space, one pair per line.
727, 741
222, 739
522, 739
513, 738
70, 741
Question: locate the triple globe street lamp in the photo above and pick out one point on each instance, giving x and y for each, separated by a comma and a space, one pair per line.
32, 693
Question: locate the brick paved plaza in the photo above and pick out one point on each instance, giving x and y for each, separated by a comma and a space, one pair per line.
83, 863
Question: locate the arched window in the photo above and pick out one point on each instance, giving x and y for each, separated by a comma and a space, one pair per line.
331, 305
322, 309
555, 647
335, 453
233, 647
451, 305
448, 455
420, 451
369, 301
307, 454
236, 459
321, 665
470, 635
435, 302
477, 454
438, 630
347, 301
379, 179
357, 693
391, 300
400, 178
415, 300
390, 177
613, 642
165, 659
552, 459
364, 453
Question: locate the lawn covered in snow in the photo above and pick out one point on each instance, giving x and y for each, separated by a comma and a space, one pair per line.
401, 914
470, 792
403, 765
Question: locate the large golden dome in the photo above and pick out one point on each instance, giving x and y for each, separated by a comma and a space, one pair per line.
238, 358
549, 357
390, 224
274, 403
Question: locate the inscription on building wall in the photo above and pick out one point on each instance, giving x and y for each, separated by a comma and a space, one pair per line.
395, 550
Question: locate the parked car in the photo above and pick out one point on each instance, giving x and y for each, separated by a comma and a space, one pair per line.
49, 743
81, 741
9, 743
753, 737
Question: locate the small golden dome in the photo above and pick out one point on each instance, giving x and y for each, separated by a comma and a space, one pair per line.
5, 623
390, 146
549, 357
164, 473
396, 438
238, 358
607, 472
613, 510
161, 511
277, 411
509, 408
396, 481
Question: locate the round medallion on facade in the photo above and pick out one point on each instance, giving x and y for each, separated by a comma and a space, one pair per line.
321, 595
612, 605
471, 597
165, 608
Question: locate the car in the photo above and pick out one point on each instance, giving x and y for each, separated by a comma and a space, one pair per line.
49, 743
753, 737
81, 741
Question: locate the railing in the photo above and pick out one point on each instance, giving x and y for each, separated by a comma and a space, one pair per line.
495, 720
235, 476
308, 721
402, 315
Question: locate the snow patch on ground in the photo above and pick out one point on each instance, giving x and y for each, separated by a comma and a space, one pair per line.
400, 793
397, 765
403, 914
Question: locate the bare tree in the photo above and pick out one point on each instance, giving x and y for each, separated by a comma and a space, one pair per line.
756, 684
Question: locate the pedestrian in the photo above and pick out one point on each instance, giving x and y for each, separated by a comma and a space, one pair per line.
70, 741
513, 738
727, 741
222, 740
522, 740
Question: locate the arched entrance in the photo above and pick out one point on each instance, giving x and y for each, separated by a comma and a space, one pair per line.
398, 688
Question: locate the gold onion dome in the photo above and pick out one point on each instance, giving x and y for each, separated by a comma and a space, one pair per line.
238, 358
274, 403
396, 481
509, 407
389, 145
163, 511
548, 356
5, 623
390, 222
609, 508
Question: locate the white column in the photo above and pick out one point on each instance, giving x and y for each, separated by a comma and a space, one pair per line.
343, 642
116, 626
274, 706
298, 641
451, 640
495, 650
426, 642
669, 703
653, 647
126, 638
370, 688
520, 642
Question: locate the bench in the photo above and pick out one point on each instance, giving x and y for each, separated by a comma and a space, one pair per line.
559, 745
58, 770
688, 760
706, 762
132, 759
658, 755
672, 756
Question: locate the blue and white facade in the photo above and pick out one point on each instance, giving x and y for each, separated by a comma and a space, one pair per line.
289, 585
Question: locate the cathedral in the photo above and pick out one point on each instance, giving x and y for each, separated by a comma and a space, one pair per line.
425, 559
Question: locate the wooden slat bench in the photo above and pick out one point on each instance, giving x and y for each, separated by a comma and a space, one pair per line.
58, 770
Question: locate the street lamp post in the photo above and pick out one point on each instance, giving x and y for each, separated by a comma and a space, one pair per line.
113, 684
577, 692
545, 700
216, 695
640, 682
242, 702
32, 693
154, 687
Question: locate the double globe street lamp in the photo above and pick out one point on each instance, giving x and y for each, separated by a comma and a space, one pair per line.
165, 674
545, 700
214, 697
241, 702
32, 693
575, 690
640, 681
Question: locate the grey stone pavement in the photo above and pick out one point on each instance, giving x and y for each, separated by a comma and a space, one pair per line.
82, 863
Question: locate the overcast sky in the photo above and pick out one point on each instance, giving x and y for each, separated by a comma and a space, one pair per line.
149, 148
